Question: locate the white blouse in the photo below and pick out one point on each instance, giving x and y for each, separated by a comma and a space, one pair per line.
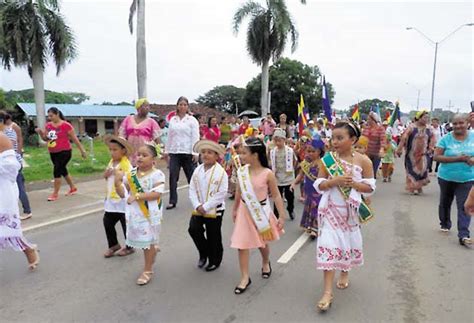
183, 133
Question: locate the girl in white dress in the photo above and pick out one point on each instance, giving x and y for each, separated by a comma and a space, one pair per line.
339, 245
11, 235
142, 188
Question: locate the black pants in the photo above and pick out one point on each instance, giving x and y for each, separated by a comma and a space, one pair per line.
209, 246
110, 219
176, 162
60, 161
290, 199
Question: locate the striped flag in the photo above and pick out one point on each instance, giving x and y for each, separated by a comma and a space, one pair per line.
326, 101
302, 116
355, 114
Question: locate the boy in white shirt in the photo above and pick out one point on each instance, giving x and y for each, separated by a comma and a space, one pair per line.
114, 205
283, 162
207, 192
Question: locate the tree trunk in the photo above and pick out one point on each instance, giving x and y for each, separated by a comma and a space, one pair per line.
264, 93
38, 85
141, 49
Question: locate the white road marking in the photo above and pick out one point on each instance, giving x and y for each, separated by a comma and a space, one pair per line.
293, 249
75, 216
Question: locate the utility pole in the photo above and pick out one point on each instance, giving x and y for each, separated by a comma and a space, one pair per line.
449, 106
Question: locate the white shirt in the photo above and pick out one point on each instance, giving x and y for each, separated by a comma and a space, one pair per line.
183, 133
438, 133
110, 205
199, 188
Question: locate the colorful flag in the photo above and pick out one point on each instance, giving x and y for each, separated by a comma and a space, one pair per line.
302, 117
355, 114
387, 115
395, 114
326, 101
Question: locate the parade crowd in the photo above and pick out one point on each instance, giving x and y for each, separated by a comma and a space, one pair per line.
333, 165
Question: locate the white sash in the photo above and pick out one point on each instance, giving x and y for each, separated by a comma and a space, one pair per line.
288, 159
215, 181
256, 210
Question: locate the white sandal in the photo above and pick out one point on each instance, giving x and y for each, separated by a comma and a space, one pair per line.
144, 278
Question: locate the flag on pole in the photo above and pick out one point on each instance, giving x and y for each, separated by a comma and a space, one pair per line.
395, 114
355, 114
302, 117
387, 116
326, 101
377, 110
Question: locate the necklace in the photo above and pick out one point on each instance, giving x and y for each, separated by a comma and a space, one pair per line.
338, 159
144, 173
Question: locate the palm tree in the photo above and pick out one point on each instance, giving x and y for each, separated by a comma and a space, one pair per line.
32, 31
138, 6
267, 35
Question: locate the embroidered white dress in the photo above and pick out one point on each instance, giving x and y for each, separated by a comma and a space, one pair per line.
339, 244
142, 232
11, 235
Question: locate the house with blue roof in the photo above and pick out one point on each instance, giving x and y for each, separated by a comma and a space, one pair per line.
86, 119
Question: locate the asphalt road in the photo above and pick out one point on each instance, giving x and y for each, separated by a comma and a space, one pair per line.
412, 273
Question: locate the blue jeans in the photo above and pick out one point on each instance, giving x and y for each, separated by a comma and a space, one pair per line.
25, 202
375, 164
449, 190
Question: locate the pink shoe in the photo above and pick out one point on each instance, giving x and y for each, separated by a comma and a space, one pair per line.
53, 197
72, 191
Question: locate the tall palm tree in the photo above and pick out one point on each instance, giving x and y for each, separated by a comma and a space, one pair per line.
138, 7
31, 32
267, 35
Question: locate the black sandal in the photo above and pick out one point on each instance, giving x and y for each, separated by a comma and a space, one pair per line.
267, 275
239, 290
170, 206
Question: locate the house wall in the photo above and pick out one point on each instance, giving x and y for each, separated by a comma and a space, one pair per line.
101, 127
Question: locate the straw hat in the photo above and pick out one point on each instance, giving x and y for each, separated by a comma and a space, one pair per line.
208, 144
122, 141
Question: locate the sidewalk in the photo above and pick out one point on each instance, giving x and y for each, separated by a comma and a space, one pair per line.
88, 200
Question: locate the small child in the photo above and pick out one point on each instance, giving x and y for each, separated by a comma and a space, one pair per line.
300, 154
388, 159
234, 164
114, 205
142, 188
361, 145
283, 162
309, 169
207, 192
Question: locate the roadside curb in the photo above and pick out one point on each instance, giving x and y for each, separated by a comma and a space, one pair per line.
76, 216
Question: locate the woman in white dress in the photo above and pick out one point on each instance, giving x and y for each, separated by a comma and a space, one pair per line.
339, 245
11, 235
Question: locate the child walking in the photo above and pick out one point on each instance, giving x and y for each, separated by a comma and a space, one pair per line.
388, 159
254, 222
283, 162
142, 188
309, 172
345, 176
114, 205
207, 192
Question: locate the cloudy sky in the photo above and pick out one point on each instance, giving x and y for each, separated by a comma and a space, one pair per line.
362, 47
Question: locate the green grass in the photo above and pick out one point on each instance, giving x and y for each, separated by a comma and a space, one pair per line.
40, 166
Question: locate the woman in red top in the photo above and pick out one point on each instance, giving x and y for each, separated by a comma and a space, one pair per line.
57, 133
211, 131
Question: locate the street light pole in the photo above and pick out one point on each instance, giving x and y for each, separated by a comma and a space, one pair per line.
418, 96
434, 77
436, 56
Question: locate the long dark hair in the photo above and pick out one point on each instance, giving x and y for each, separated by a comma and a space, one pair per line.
209, 121
256, 146
57, 112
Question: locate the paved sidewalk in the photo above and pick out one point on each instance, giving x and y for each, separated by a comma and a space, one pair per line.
89, 199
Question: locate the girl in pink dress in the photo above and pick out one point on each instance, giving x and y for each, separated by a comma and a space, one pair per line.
139, 129
256, 225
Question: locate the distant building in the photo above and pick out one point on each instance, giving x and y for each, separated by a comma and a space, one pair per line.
104, 119
86, 119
